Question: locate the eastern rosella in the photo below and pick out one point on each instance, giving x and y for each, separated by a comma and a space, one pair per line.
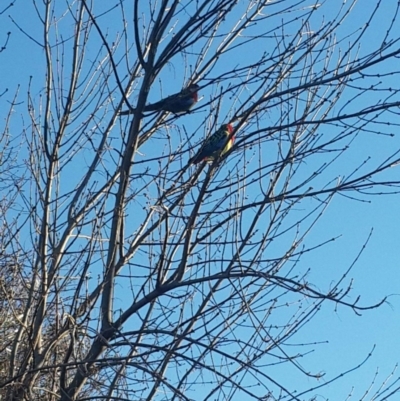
216, 145
178, 103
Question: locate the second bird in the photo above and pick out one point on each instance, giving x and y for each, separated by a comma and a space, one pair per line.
178, 103
216, 145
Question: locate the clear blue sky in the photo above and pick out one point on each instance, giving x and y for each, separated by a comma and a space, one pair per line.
346, 339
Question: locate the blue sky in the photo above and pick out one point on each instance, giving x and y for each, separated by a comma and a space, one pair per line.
346, 339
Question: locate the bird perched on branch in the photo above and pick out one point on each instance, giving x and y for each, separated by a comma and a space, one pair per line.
216, 145
178, 103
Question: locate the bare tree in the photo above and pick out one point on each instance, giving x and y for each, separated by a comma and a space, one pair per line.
146, 277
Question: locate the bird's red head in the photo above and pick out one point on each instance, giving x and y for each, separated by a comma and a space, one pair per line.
230, 129
193, 88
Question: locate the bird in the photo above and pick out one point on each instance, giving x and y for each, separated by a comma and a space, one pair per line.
216, 145
177, 103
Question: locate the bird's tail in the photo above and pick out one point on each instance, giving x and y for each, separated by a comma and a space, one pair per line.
154, 106
150, 107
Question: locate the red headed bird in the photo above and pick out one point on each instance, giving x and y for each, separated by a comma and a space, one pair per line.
216, 145
178, 103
